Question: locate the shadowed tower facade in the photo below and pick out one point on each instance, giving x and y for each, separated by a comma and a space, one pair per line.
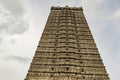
67, 50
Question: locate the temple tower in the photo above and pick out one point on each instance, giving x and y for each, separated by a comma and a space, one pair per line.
67, 50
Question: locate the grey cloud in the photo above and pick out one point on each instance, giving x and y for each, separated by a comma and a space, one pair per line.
13, 26
18, 58
0, 39
12, 41
14, 6
12, 17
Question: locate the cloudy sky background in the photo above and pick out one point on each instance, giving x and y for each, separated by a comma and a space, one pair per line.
22, 23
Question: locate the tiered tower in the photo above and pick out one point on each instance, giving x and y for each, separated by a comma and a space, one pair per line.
67, 50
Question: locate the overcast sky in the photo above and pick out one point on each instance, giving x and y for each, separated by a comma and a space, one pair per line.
22, 23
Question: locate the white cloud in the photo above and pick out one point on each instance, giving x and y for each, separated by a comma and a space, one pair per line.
18, 58
12, 17
117, 14
14, 6
0, 39
116, 19
12, 70
13, 49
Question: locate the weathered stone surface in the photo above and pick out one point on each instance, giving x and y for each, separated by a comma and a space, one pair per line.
67, 50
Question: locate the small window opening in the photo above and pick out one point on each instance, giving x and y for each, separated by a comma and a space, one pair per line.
53, 61
82, 70
55, 44
67, 68
67, 60
67, 54
81, 62
51, 75
52, 68
80, 56
53, 54
83, 77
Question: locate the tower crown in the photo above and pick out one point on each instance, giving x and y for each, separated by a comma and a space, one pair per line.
66, 7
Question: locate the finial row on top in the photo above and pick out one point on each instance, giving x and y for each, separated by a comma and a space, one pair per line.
66, 7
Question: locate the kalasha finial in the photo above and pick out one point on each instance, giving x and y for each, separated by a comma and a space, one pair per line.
66, 6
